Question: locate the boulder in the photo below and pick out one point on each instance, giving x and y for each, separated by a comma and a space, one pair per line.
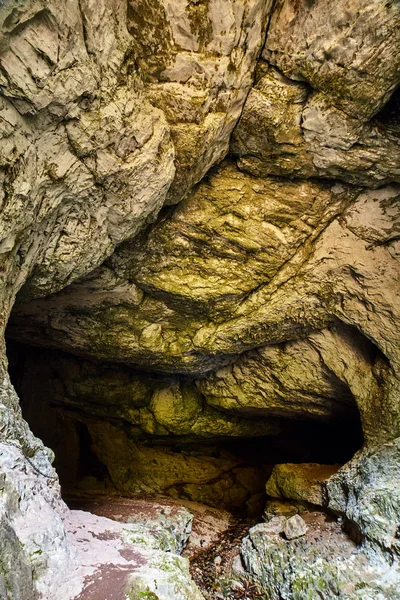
304, 482
294, 527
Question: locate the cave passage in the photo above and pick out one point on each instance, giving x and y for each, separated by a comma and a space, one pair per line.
98, 450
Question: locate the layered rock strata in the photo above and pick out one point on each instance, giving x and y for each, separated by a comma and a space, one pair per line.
267, 297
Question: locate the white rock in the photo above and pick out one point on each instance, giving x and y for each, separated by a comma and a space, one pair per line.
295, 527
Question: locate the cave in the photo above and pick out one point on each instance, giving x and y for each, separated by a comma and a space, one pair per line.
200, 299
59, 402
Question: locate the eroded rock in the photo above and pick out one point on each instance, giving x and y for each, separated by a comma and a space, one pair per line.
256, 298
324, 562
304, 482
288, 129
294, 527
335, 52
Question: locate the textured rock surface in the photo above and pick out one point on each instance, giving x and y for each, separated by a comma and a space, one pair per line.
126, 560
345, 271
289, 379
288, 130
327, 562
294, 527
336, 53
323, 563
190, 279
197, 62
257, 302
367, 491
304, 482
80, 134
314, 111
76, 143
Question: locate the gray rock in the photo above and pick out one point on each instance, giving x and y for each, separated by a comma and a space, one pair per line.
294, 527
324, 564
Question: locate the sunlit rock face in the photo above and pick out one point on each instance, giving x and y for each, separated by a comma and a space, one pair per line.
197, 62
323, 103
200, 221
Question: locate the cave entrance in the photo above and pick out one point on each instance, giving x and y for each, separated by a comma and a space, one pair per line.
106, 443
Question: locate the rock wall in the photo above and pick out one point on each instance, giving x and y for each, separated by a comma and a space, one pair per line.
208, 192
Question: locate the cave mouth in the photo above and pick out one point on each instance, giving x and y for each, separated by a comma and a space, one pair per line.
99, 452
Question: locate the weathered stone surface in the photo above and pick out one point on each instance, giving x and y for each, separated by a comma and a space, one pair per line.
294, 527
366, 490
287, 130
290, 380
313, 111
86, 160
279, 298
197, 62
150, 404
82, 127
256, 253
233, 234
74, 403
35, 552
74, 183
124, 560
349, 274
284, 509
347, 50
304, 482
345, 271
215, 479
324, 563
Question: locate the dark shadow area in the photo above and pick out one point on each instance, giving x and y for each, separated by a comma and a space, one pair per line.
389, 115
99, 448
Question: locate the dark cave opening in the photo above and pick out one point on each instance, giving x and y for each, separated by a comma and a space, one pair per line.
98, 451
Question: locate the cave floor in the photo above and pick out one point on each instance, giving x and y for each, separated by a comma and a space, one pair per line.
213, 547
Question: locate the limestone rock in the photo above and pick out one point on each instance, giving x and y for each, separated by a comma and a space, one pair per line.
287, 380
304, 482
274, 525
324, 104
75, 182
110, 110
323, 563
284, 508
197, 63
345, 272
159, 405
112, 557
171, 529
32, 530
287, 130
366, 490
83, 128
134, 467
258, 245
233, 234
295, 527
353, 60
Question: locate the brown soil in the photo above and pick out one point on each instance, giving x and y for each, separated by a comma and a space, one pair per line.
108, 583
209, 567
